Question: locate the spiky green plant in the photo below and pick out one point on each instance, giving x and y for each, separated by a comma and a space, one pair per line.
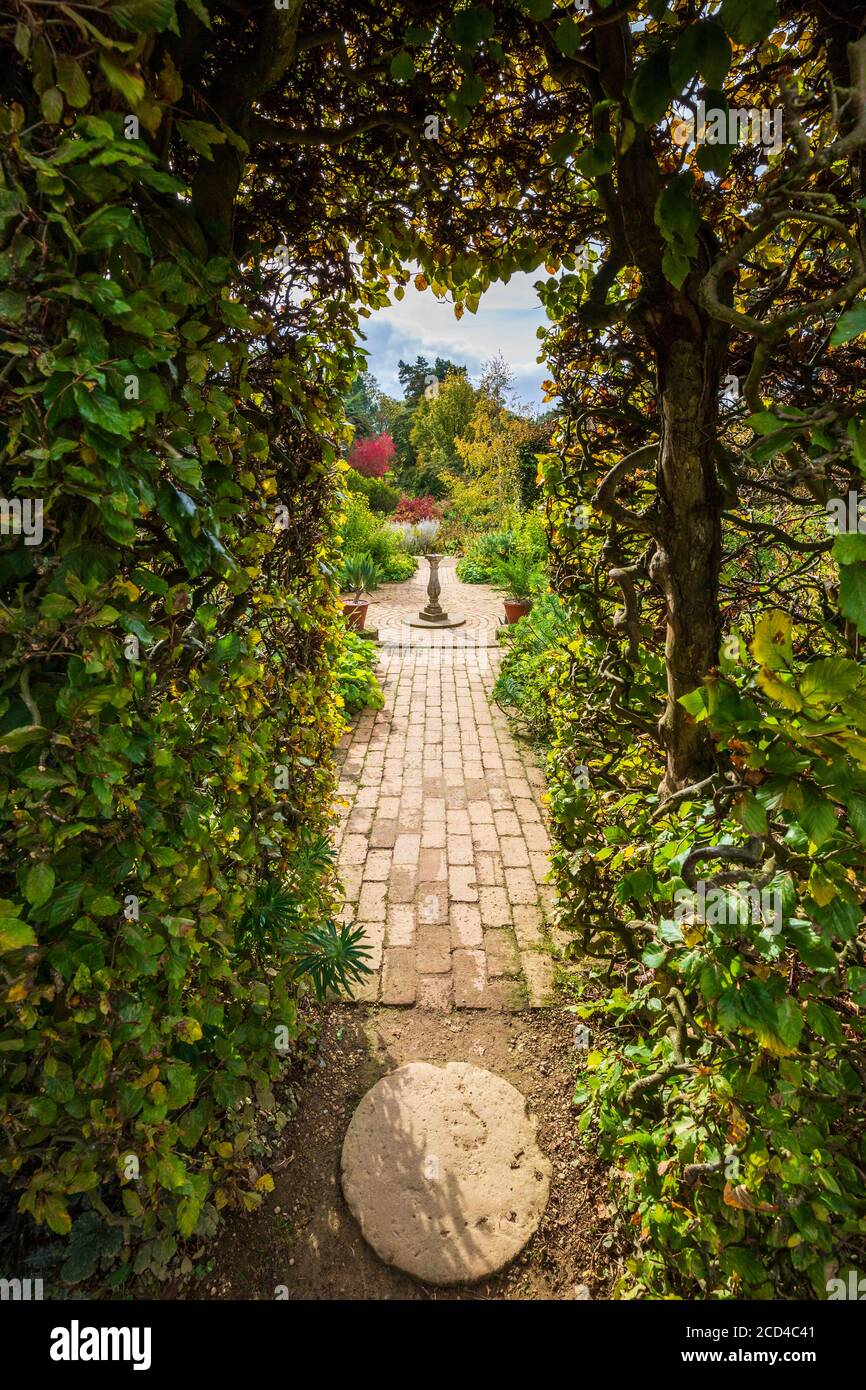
517, 575
359, 574
331, 957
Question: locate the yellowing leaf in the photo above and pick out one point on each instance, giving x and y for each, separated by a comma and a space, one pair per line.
771, 644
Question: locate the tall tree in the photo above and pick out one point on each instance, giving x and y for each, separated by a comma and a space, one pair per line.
439, 421
419, 379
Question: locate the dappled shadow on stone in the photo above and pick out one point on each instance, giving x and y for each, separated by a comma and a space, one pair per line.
443, 1173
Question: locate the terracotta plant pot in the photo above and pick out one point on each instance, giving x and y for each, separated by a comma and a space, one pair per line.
355, 612
516, 608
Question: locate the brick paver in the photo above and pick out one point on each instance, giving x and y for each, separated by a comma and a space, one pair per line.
443, 850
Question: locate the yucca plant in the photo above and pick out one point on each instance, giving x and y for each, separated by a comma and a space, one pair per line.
359, 574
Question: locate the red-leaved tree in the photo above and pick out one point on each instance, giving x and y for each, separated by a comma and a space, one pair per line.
418, 509
372, 456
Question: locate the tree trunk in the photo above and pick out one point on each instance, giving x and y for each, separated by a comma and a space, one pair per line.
690, 352
687, 560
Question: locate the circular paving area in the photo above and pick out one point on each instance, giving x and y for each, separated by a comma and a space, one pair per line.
443, 1173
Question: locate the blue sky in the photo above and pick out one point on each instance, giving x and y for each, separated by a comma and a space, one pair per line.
507, 318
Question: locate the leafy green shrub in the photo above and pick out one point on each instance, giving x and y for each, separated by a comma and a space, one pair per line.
355, 673
379, 495
365, 534
476, 566
538, 643
399, 567
525, 537
167, 710
531, 536
727, 1085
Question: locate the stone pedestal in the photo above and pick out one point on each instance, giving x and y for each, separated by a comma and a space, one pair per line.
433, 615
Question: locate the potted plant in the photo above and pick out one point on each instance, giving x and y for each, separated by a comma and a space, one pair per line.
360, 574
515, 576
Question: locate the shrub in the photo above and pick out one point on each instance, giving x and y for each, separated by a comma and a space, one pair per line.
476, 566
417, 539
418, 509
539, 642
364, 533
373, 457
380, 496
167, 711
725, 1079
527, 536
355, 673
399, 567
516, 576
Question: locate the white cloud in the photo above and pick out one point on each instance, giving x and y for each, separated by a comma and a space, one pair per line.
507, 318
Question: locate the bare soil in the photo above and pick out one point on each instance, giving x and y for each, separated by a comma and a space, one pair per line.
304, 1244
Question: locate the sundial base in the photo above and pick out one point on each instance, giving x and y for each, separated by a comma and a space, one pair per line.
435, 624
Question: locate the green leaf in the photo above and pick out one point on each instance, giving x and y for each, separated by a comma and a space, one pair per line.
789, 1022
675, 211
128, 84
598, 159
72, 81
57, 1214
145, 16
110, 225
227, 648
652, 90
13, 306
823, 1021
830, 679
14, 739
849, 547
199, 11
62, 905
568, 37
188, 1213
737, 1259
201, 136
101, 409
564, 145
39, 884
702, 48
403, 67
181, 1084
171, 1171
14, 934
817, 817
852, 594
469, 27
771, 644
749, 21
851, 325
695, 702
751, 814
51, 103
857, 816
471, 90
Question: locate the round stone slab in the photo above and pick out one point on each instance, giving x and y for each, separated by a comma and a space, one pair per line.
442, 1171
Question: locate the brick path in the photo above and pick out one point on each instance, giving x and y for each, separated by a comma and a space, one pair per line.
442, 845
